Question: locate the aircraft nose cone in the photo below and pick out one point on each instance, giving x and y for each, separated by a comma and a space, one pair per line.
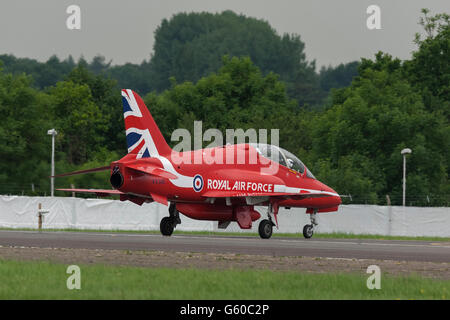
335, 198
338, 200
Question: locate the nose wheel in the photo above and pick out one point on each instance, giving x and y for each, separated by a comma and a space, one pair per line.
308, 230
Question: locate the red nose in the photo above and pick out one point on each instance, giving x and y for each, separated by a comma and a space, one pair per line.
334, 199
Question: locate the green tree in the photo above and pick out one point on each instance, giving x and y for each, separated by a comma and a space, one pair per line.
43, 74
338, 77
24, 146
429, 69
238, 96
107, 97
81, 124
190, 46
368, 125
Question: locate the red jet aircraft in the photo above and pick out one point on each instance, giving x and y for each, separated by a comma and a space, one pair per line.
222, 191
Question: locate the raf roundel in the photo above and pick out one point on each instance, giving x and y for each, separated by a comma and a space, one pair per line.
198, 183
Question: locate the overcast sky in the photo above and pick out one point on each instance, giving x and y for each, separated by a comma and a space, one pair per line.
333, 31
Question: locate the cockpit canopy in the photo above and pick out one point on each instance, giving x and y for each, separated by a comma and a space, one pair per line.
282, 156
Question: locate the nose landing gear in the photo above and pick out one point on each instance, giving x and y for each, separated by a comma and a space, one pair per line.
308, 230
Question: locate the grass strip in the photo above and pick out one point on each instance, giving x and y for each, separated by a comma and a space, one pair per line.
45, 280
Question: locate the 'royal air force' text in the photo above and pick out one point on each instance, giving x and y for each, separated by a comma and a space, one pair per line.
217, 184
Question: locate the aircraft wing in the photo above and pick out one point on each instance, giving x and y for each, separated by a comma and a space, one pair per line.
98, 192
105, 168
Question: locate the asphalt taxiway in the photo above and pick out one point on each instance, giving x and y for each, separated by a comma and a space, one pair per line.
400, 250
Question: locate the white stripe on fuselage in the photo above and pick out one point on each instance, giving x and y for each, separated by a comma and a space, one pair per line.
284, 188
187, 181
181, 181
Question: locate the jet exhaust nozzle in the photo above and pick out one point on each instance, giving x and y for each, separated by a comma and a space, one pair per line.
116, 178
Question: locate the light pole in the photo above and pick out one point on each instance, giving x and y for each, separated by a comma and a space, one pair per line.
404, 153
53, 133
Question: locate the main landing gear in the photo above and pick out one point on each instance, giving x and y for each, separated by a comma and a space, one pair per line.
169, 223
265, 229
266, 226
308, 230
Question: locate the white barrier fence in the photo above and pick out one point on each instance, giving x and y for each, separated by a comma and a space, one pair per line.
77, 213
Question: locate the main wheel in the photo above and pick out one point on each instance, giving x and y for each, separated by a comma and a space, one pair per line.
308, 231
166, 226
265, 229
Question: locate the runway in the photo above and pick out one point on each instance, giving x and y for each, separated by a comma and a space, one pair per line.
331, 248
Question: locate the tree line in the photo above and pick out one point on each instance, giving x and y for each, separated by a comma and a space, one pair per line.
191, 46
347, 124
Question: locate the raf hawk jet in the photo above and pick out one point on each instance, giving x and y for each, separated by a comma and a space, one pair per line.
222, 191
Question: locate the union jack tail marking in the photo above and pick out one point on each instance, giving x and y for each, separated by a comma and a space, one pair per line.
143, 135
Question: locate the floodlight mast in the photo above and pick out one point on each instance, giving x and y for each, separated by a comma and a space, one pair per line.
404, 152
53, 133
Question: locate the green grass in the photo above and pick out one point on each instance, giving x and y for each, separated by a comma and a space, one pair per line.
44, 280
251, 234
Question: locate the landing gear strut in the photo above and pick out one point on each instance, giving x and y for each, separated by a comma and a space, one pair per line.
308, 230
266, 226
169, 223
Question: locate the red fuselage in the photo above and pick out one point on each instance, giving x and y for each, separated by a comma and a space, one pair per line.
220, 180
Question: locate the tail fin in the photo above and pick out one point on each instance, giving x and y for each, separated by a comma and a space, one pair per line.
143, 136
